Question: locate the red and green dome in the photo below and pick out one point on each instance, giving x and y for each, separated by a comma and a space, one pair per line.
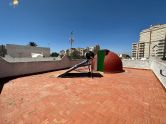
107, 61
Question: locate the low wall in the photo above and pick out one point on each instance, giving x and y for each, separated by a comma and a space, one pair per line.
141, 64
14, 60
8, 69
159, 68
22, 68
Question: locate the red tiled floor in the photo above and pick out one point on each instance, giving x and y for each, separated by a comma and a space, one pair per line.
131, 97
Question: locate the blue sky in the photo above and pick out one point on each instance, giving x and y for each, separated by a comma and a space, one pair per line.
113, 24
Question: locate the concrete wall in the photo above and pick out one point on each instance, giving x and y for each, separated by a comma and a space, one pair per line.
8, 69
21, 68
14, 60
25, 51
136, 64
159, 68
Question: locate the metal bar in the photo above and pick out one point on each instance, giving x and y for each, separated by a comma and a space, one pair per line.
74, 67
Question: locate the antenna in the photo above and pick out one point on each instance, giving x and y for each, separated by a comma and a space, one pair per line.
71, 40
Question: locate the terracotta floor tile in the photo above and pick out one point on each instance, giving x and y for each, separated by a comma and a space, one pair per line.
134, 96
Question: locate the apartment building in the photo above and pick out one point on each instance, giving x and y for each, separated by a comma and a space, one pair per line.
134, 50
151, 43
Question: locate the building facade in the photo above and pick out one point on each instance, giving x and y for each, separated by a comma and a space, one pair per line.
94, 49
20, 51
152, 43
80, 51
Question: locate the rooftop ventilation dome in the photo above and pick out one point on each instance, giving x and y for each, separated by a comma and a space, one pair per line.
107, 61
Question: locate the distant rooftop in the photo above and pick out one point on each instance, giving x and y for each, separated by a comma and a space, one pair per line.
154, 27
16, 45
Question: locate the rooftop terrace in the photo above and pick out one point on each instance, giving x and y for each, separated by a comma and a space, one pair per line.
132, 97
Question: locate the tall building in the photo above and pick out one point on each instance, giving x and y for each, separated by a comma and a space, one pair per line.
135, 50
151, 43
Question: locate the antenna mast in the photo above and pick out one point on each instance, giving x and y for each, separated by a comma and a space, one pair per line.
71, 40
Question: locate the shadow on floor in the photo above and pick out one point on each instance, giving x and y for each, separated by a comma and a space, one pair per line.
85, 74
3, 81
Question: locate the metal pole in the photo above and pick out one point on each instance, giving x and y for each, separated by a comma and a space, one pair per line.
71, 39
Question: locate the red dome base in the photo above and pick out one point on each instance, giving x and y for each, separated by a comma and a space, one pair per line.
112, 63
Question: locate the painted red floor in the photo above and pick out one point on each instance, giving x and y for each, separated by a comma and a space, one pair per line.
131, 97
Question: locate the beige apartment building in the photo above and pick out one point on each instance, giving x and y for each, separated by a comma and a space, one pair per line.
152, 43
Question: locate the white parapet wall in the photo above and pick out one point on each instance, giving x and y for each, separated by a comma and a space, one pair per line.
158, 67
141, 64
8, 69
